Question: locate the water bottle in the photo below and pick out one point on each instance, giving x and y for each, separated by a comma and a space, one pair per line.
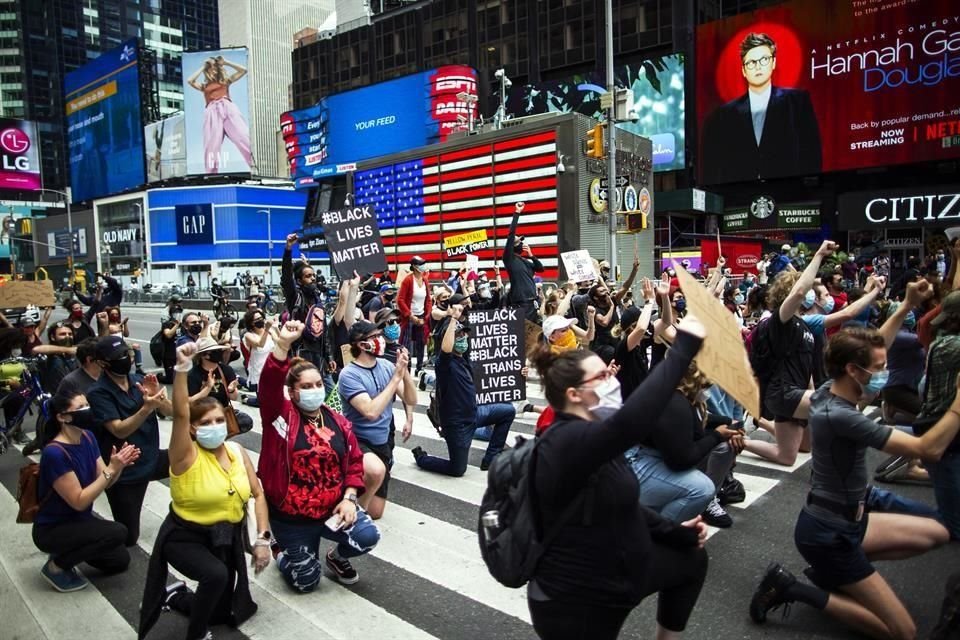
491, 525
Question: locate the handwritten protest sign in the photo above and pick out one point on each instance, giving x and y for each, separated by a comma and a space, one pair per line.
17, 294
353, 239
473, 263
579, 265
723, 357
464, 243
496, 353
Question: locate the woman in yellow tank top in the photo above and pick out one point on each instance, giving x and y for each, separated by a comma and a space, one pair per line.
204, 536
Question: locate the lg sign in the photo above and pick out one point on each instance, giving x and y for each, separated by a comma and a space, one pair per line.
15, 143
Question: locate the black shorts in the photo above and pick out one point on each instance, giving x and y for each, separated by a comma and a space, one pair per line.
385, 453
833, 549
782, 401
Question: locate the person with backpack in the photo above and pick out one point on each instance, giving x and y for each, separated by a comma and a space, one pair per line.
72, 476
838, 532
781, 352
603, 551
460, 416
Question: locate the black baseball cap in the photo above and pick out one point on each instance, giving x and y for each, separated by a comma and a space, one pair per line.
361, 330
417, 261
629, 316
111, 348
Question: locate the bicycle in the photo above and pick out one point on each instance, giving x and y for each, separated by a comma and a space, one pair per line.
31, 392
268, 303
222, 308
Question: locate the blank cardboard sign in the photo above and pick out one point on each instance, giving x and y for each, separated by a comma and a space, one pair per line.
723, 356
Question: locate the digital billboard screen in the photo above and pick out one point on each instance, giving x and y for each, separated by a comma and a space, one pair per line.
166, 149
658, 96
343, 129
19, 155
104, 126
812, 86
215, 105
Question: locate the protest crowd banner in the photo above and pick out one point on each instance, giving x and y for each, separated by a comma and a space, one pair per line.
723, 356
497, 355
579, 266
352, 237
464, 243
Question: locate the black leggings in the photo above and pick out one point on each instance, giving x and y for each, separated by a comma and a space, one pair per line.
415, 344
676, 574
97, 542
211, 603
126, 500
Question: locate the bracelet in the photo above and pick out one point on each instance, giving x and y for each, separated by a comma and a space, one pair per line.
261, 543
183, 368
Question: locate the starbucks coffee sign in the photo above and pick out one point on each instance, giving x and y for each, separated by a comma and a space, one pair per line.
765, 214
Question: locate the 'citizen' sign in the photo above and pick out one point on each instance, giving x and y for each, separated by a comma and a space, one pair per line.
901, 208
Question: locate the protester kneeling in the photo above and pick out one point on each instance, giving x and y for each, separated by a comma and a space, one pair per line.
204, 536
72, 476
312, 470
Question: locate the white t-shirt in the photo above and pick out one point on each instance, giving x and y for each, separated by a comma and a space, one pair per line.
258, 357
419, 298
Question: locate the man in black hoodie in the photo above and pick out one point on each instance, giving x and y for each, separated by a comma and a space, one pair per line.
520, 264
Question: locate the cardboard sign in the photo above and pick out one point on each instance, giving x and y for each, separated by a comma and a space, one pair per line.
723, 356
473, 263
496, 353
579, 265
353, 239
17, 294
531, 337
465, 243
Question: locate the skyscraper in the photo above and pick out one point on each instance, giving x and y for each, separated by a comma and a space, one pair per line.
267, 28
54, 37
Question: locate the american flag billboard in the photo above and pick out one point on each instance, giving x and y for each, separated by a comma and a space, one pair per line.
421, 202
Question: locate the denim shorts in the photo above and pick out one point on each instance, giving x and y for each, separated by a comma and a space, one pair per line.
833, 549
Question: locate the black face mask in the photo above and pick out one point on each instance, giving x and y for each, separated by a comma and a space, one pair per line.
309, 289
518, 248
83, 418
259, 324
120, 367
195, 329
442, 305
66, 342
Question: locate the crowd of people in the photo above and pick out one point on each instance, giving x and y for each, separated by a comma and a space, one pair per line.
636, 448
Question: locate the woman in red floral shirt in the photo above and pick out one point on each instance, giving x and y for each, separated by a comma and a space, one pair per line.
311, 468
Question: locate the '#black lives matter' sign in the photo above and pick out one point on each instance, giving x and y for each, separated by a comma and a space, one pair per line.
352, 238
497, 355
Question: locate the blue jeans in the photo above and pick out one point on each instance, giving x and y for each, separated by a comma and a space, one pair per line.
946, 487
459, 436
300, 562
884, 501
675, 495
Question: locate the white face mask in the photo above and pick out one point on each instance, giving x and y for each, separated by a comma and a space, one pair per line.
608, 395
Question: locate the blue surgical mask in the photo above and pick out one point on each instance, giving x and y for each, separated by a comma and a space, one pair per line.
681, 304
392, 332
910, 322
310, 399
878, 380
809, 300
461, 344
212, 436
738, 299
828, 304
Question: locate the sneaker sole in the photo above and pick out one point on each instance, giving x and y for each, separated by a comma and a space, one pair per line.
344, 581
61, 589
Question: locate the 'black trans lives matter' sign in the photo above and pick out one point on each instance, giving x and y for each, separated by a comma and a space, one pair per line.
352, 237
497, 355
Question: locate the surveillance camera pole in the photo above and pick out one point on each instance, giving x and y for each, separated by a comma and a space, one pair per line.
611, 144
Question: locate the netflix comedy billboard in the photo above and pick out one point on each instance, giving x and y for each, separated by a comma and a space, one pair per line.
811, 86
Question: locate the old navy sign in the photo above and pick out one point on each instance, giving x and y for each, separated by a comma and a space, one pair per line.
194, 223
871, 209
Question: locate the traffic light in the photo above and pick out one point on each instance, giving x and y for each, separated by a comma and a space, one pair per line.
595, 142
636, 222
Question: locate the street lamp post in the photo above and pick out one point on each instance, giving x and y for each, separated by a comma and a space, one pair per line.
66, 200
143, 240
269, 243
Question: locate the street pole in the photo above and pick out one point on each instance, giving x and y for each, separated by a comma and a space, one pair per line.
66, 200
611, 144
143, 241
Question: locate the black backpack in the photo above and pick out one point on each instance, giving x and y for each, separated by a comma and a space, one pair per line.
433, 412
158, 346
763, 360
512, 549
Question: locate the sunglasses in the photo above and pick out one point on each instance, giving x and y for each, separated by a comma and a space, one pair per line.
391, 321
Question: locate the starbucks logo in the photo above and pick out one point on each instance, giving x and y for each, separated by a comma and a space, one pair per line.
762, 207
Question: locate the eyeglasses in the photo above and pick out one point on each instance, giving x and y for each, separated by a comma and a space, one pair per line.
602, 376
391, 321
764, 62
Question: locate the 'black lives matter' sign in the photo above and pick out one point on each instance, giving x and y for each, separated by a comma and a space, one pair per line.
352, 238
497, 355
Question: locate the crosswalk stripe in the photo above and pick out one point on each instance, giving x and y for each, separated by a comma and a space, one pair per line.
20, 563
752, 459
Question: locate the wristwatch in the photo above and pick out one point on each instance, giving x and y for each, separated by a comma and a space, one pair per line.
265, 535
352, 497
108, 475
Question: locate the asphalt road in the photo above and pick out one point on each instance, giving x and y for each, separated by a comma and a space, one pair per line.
425, 580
